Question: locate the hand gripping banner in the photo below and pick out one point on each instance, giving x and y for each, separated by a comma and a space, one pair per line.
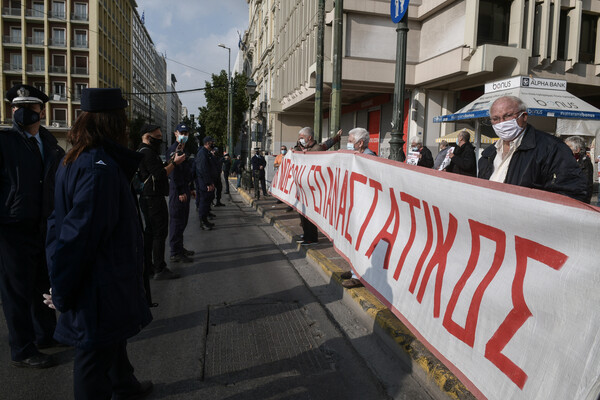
502, 283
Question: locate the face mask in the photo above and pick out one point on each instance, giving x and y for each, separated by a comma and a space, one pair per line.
350, 146
303, 142
155, 142
183, 139
414, 148
508, 130
458, 142
283, 152
25, 117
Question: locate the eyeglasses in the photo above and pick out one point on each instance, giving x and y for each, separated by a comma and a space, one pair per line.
506, 117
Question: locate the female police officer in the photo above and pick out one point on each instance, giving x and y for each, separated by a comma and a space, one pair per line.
95, 251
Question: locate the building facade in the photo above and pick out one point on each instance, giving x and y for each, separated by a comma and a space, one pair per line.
173, 107
454, 48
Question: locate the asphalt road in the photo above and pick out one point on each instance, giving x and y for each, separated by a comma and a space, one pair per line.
249, 319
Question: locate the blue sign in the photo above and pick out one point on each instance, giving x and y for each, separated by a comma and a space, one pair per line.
397, 9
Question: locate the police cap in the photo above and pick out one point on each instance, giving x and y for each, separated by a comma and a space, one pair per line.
25, 94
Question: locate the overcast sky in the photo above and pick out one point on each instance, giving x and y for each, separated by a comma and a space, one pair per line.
188, 31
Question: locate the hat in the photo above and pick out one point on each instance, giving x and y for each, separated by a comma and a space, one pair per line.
182, 127
148, 128
102, 99
25, 94
208, 139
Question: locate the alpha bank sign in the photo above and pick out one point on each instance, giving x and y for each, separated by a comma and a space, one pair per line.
525, 81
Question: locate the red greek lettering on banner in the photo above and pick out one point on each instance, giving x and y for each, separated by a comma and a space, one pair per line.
377, 188
413, 202
467, 334
426, 250
384, 234
311, 172
341, 213
515, 319
355, 176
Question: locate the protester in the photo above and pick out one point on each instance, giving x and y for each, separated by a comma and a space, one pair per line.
217, 163
205, 175
528, 157
258, 163
462, 158
279, 158
425, 156
358, 140
29, 156
306, 142
577, 146
94, 251
226, 171
439, 159
238, 168
181, 192
153, 173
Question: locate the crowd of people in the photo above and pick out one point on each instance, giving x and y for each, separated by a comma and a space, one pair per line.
71, 228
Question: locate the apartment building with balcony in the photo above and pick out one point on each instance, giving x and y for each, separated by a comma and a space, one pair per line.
454, 48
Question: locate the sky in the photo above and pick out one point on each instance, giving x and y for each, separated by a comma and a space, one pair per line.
188, 32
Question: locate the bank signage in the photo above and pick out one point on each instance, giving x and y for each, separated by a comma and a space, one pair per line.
525, 81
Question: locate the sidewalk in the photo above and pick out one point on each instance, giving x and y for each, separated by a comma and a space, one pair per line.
324, 255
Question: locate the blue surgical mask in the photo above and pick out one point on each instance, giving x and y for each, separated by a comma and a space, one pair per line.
283, 152
350, 146
183, 139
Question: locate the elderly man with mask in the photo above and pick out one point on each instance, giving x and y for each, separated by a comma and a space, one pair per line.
527, 157
358, 140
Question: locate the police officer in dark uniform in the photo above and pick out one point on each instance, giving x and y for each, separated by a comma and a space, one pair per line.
205, 175
217, 165
258, 172
226, 171
180, 194
153, 173
29, 156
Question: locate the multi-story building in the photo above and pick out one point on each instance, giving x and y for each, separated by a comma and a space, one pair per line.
454, 48
62, 47
173, 107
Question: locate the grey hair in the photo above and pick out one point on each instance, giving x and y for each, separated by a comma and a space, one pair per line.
307, 130
416, 140
360, 134
464, 134
520, 104
577, 142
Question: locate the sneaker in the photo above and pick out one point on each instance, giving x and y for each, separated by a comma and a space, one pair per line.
180, 258
219, 204
165, 274
188, 253
308, 243
37, 361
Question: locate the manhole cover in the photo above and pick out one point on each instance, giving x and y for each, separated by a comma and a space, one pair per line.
247, 340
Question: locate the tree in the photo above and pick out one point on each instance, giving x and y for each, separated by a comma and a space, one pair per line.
213, 117
135, 125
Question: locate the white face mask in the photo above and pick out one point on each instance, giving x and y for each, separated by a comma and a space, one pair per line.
303, 142
350, 146
183, 139
508, 130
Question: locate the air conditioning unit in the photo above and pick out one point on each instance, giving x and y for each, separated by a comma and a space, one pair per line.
55, 125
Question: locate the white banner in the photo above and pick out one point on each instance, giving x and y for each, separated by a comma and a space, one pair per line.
502, 283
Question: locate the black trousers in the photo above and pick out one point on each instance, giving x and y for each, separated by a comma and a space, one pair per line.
204, 199
156, 219
99, 373
179, 213
259, 177
218, 188
226, 184
23, 280
311, 232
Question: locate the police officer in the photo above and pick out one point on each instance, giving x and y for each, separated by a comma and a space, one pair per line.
29, 156
258, 172
180, 195
153, 173
217, 162
226, 171
205, 175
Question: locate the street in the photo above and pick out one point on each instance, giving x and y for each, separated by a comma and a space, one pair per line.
248, 319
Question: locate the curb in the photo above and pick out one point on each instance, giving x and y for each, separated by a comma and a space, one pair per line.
435, 370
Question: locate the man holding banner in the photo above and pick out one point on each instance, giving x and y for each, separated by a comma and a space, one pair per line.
527, 157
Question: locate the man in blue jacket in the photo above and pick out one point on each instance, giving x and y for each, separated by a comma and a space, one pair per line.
29, 156
205, 180
180, 195
527, 157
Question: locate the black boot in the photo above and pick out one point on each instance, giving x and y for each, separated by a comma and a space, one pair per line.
207, 223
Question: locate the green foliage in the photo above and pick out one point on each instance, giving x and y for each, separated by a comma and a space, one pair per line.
213, 117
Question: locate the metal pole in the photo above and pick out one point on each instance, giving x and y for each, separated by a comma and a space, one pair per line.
397, 140
336, 84
229, 107
319, 88
249, 133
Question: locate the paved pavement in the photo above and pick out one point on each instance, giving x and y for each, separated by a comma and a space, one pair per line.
250, 318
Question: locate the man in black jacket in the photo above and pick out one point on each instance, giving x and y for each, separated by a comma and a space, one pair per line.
527, 157
29, 156
425, 156
462, 158
153, 173
205, 176
258, 163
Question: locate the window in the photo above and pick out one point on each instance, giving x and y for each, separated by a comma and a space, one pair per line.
58, 9
38, 62
16, 61
15, 35
38, 36
58, 63
59, 91
80, 65
78, 88
40, 86
60, 117
81, 39
80, 11
563, 28
38, 10
587, 38
493, 23
58, 37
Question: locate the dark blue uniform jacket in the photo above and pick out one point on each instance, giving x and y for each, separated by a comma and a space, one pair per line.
26, 184
542, 161
181, 179
204, 169
258, 161
95, 249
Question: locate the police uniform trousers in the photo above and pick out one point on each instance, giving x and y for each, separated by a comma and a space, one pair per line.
156, 217
179, 213
226, 177
258, 176
311, 232
204, 199
23, 280
99, 373
218, 188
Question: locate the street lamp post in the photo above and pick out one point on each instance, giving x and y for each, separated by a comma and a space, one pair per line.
250, 90
229, 103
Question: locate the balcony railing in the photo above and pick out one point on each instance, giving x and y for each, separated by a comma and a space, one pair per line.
35, 41
58, 97
11, 11
57, 69
13, 67
79, 44
57, 123
36, 68
34, 13
11, 39
79, 70
79, 17
60, 42
58, 14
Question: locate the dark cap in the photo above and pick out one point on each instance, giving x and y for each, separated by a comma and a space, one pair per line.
208, 139
25, 94
182, 127
148, 128
102, 99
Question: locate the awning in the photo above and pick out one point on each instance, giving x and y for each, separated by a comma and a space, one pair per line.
541, 101
451, 137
